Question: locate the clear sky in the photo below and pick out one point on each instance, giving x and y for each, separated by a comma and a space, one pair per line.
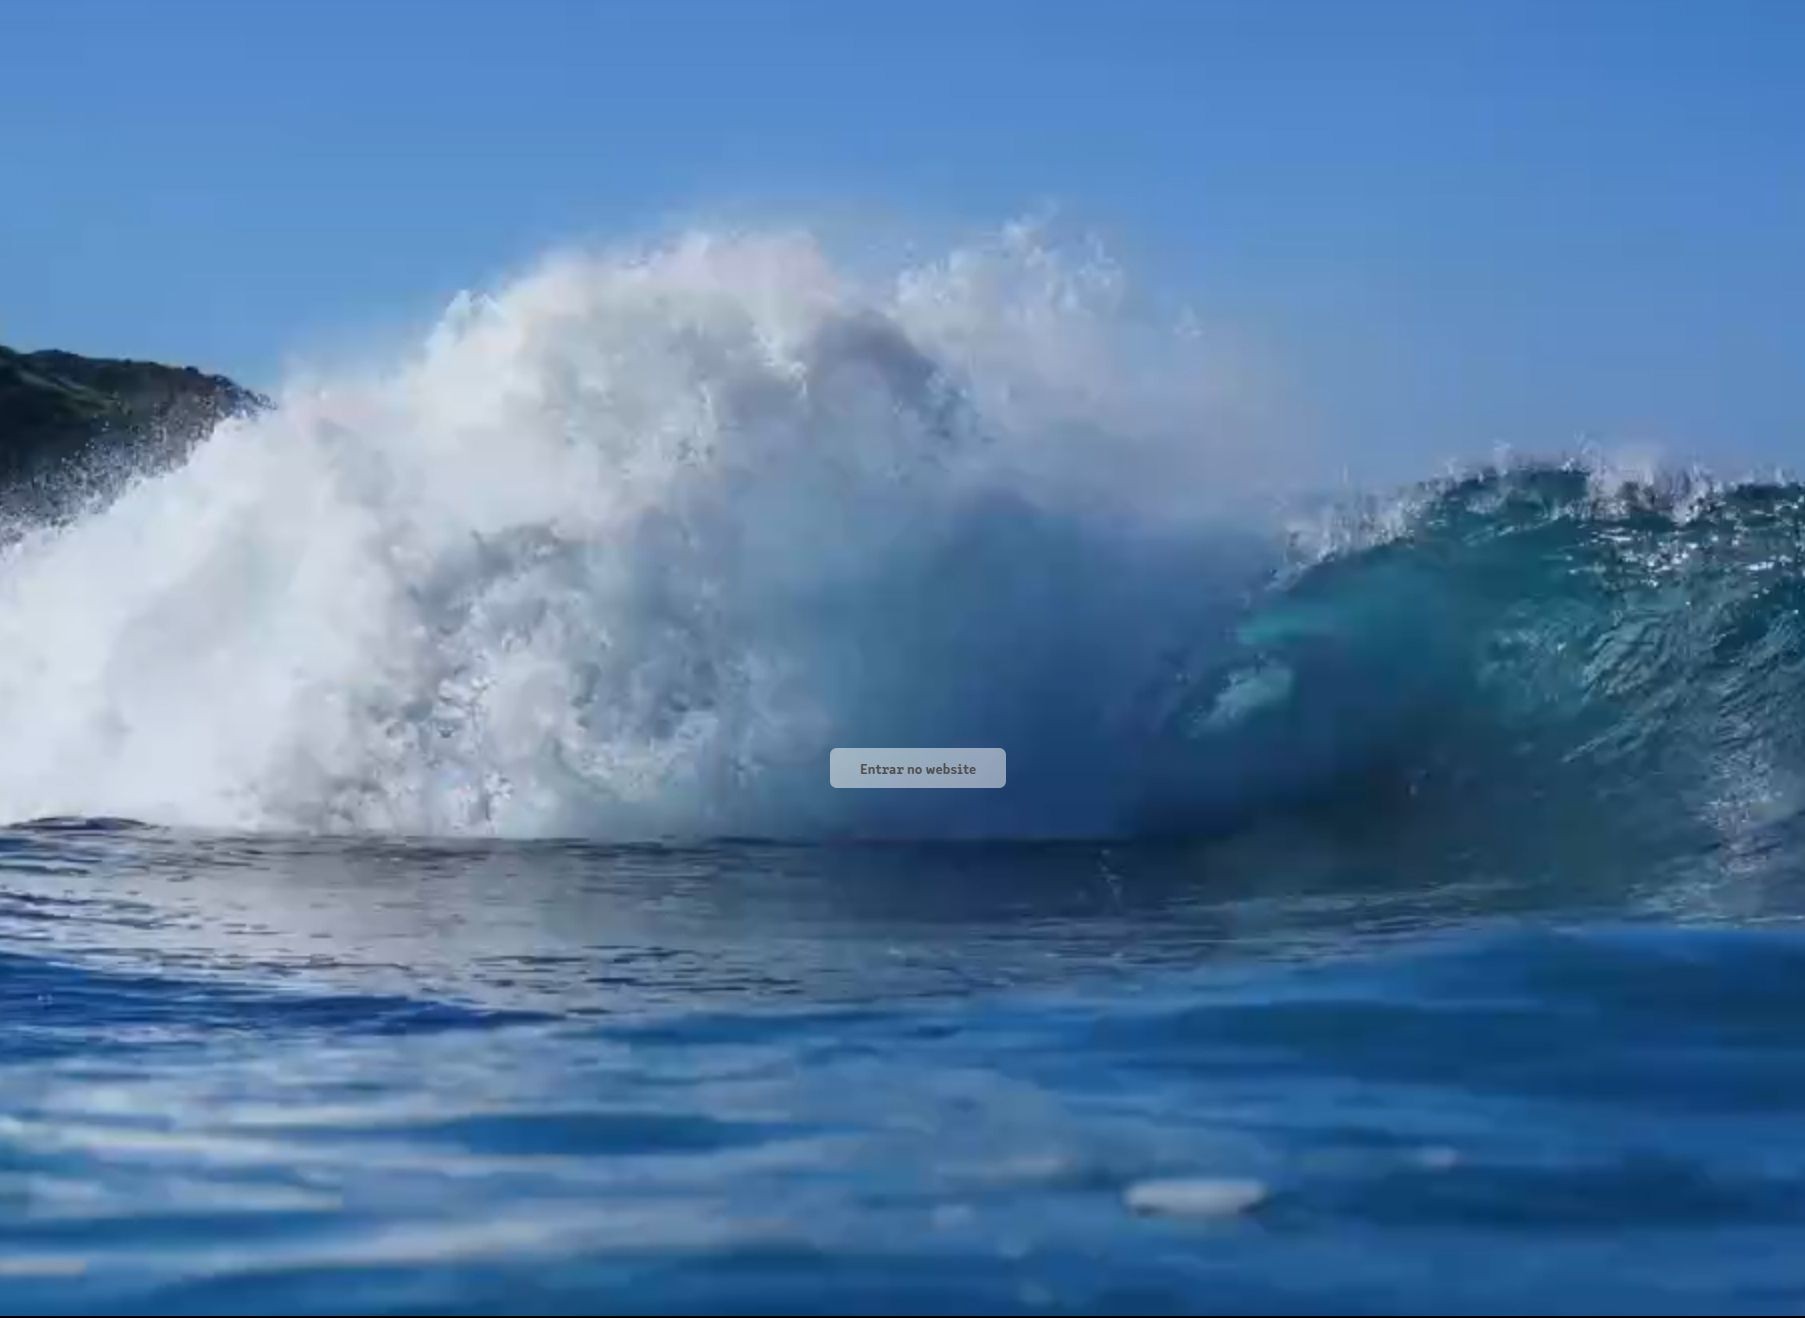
1452, 224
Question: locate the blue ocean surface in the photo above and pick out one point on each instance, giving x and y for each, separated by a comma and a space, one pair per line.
306, 1075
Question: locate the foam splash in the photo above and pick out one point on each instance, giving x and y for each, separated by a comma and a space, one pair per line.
623, 549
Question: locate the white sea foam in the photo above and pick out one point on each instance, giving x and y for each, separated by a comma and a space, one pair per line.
1196, 1197
622, 549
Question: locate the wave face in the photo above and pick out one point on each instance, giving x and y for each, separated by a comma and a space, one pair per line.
1549, 652
622, 550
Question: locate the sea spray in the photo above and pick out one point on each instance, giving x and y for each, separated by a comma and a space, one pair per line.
624, 548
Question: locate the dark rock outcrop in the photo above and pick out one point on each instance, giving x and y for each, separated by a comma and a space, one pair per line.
72, 426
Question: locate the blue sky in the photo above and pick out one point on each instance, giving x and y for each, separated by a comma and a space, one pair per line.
1450, 224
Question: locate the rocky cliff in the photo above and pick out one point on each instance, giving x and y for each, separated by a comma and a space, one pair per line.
70, 424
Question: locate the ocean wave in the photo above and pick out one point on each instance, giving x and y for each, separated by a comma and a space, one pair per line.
623, 550
1524, 643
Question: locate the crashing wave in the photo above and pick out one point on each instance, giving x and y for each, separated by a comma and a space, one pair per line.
623, 550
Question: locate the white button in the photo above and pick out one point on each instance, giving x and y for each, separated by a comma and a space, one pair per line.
917, 766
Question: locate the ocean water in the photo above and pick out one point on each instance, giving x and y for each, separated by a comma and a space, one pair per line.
295, 1075
424, 891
